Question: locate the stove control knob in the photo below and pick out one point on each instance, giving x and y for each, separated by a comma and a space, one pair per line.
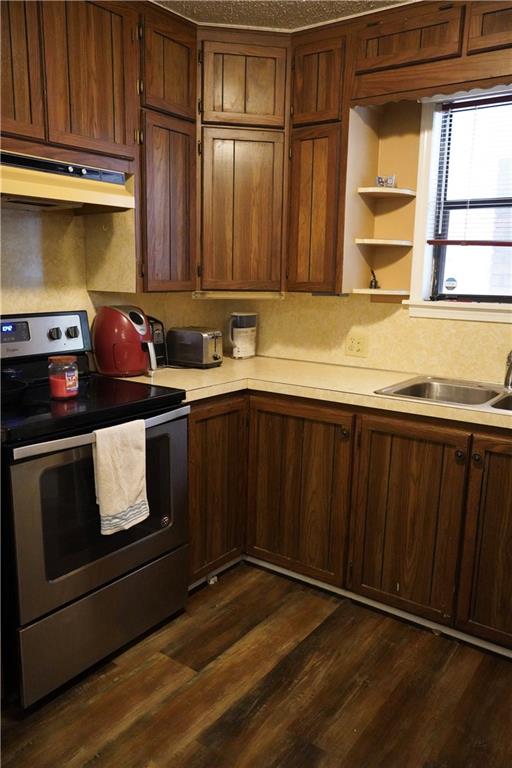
72, 332
54, 334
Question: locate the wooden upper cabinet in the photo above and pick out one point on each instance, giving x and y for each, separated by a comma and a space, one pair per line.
490, 26
91, 53
299, 486
317, 81
243, 84
409, 510
242, 208
313, 208
217, 483
169, 203
410, 38
22, 75
169, 75
485, 592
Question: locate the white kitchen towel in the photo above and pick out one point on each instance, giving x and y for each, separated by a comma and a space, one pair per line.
119, 455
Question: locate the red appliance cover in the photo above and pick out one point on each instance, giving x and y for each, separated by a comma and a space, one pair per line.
119, 335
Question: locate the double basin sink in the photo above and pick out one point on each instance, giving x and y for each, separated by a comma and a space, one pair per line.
469, 394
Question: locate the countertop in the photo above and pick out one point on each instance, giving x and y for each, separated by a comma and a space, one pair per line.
318, 381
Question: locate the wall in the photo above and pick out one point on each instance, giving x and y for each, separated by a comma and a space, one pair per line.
305, 327
43, 262
43, 268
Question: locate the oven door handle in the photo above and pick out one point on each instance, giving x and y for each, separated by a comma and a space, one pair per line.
78, 441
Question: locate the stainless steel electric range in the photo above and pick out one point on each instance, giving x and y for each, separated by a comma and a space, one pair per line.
70, 595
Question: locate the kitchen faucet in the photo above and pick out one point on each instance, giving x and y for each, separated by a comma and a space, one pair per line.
508, 373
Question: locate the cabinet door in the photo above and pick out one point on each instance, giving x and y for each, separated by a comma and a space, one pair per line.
90, 51
217, 483
22, 79
313, 208
317, 81
169, 203
243, 84
490, 26
485, 593
408, 515
242, 208
410, 38
169, 66
299, 484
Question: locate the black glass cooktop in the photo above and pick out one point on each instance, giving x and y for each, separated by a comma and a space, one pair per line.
101, 401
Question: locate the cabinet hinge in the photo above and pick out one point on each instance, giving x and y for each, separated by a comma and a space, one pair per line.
140, 31
291, 110
140, 86
287, 274
199, 148
200, 56
199, 106
290, 153
199, 270
142, 270
293, 63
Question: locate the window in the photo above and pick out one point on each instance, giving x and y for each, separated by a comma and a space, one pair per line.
470, 230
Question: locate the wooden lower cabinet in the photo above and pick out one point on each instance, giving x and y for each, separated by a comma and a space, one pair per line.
217, 483
485, 593
408, 514
299, 485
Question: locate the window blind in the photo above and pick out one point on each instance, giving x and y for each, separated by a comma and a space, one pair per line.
471, 230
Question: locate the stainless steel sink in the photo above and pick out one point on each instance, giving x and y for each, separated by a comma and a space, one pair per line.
504, 403
437, 390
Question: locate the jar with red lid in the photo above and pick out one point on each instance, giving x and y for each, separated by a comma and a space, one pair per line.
63, 376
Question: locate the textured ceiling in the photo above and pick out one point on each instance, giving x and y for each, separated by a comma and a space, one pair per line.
274, 14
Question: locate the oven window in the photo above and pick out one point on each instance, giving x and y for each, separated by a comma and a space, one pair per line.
71, 518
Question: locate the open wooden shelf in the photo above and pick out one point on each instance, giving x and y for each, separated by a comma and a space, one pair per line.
377, 241
387, 192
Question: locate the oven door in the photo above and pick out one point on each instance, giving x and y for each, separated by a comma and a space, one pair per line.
60, 552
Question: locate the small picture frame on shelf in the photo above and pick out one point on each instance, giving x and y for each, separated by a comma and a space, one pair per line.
386, 181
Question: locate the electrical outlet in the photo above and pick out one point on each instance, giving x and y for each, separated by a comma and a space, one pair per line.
356, 344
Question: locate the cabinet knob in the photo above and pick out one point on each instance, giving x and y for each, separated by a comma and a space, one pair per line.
477, 458
345, 433
460, 456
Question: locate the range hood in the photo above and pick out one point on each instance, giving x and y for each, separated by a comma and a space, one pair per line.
34, 183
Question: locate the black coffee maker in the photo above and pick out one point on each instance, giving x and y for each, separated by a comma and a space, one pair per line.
158, 334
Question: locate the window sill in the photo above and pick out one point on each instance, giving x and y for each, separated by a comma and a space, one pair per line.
460, 310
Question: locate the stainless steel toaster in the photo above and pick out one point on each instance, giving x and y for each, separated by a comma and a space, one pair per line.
194, 347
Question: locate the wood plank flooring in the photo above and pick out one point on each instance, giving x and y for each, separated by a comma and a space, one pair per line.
264, 672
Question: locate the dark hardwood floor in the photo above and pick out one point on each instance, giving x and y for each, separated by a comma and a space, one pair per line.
262, 671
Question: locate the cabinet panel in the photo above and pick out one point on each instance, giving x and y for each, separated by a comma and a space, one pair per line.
217, 483
169, 67
490, 26
299, 476
242, 208
313, 208
90, 52
22, 78
408, 515
169, 203
317, 81
243, 84
485, 594
410, 39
